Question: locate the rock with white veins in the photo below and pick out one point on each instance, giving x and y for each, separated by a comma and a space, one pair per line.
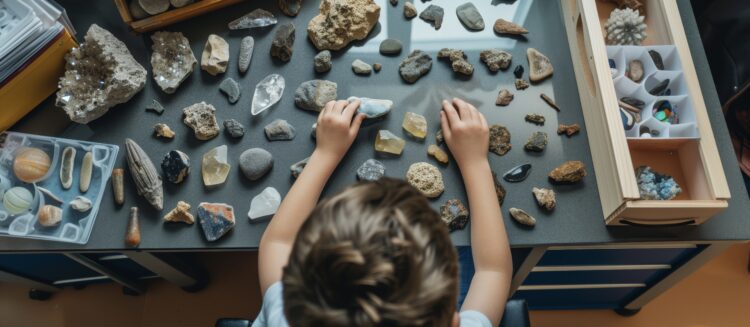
264, 204
172, 60
147, 180
215, 57
540, 66
246, 53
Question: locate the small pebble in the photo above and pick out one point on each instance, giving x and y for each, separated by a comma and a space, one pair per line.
234, 128
518, 71
360, 67
377, 67
322, 61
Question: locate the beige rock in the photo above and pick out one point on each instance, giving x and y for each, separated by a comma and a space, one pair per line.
410, 11
163, 130
437, 153
568, 172
522, 217
341, 22
504, 97
545, 198
215, 57
505, 27
180, 214
426, 178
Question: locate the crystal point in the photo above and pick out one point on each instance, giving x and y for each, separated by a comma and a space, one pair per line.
267, 93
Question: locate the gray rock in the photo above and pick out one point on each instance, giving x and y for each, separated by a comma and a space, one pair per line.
390, 47
136, 11
469, 16
232, 90
433, 14
322, 61
180, 3
290, 7
361, 67
417, 64
246, 53
280, 130
297, 168
172, 60
255, 163
313, 95
253, 19
154, 7
282, 46
234, 128
536, 142
496, 59
370, 170
155, 106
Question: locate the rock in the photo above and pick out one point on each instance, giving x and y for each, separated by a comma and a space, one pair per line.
370, 170
410, 11
215, 57
17, 200
625, 27
434, 15
540, 67
267, 93
550, 102
133, 231
656, 186
290, 7
634, 71
264, 204
454, 214
136, 11
153, 7
499, 140
297, 167
280, 130
313, 95
200, 117
99, 74
517, 173
372, 108
630, 108
632, 4
231, 89
386, 142
545, 198
437, 153
180, 214
282, 46
118, 185
415, 125
322, 61
394, 2
628, 119
87, 166
536, 142
31, 165
457, 59
156, 107
163, 130
180, 3
377, 67
426, 178
172, 60
361, 67
215, 166
47, 195
469, 16
522, 217
416, 65
255, 163
341, 22
535, 119
521, 84
175, 166
216, 219
234, 128
496, 59
499, 189
660, 88
390, 47
147, 181
246, 53
253, 19
569, 172
66, 167
568, 130
81, 204
633, 102
49, 216
504, 97
656, 57
439, 138
518, 71
503, 26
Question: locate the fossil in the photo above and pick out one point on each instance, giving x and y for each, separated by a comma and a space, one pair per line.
147, 180
66, 167
118, 186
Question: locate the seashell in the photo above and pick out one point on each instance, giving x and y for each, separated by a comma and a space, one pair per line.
81, 204
49, 195
31, 164
87, 164
133, 232
49, 216
147, 181
118, 189
66, 167
17, 200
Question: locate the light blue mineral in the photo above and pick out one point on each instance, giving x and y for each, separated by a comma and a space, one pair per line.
655, 186
373, 108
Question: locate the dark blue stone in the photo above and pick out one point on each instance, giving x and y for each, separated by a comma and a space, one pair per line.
517, 173
612, 63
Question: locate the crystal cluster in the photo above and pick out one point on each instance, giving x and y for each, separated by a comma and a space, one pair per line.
656, 186
172, 60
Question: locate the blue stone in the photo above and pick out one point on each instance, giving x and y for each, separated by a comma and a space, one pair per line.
373, 108
517, 173
216, 219
612, 63
656, 186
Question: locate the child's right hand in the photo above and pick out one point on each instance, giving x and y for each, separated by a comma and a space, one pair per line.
465, 131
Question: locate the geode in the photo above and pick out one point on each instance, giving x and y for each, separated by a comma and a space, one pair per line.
99, 74
172, 60
341, 22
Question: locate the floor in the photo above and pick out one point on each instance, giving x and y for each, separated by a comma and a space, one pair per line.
716, 295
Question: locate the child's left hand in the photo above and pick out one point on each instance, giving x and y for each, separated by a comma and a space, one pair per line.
336, 129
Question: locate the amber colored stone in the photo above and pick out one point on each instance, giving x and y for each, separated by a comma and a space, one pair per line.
415, 125
31, 164
568, 172
437, 153
388, 143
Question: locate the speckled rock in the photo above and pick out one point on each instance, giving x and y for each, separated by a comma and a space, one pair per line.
454, 214
499, 140
568, 173
313, 95
416, 65
426, 178
536, 142
234, 128
216, 219
522, 217
246, 53
496, 59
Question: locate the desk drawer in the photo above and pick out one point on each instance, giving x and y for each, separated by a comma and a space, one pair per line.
597, 275
608, 297
621, 256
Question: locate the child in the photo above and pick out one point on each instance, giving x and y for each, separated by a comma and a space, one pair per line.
376, 254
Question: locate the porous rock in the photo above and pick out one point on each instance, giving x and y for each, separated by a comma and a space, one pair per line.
200, 117
496, 59
426, 178
457, 59
341, 22
521, 84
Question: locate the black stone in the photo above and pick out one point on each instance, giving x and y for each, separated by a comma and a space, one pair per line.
517, 173
660, 88
176, 165
656, 57
633, 102
518, 71
234, 128
282, 46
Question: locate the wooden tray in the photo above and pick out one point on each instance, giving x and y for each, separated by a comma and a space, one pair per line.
170, 16
694, 163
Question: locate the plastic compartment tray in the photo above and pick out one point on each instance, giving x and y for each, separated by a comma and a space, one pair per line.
75, 226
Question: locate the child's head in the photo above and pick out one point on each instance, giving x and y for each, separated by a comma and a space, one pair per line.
375, 254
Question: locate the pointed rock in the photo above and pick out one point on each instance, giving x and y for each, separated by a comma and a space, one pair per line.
540, 66
147, 180
253, 19
216, 219
503, 26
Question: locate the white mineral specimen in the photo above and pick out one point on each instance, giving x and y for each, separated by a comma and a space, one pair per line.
267, 93
172, 60
264, 204
625, 27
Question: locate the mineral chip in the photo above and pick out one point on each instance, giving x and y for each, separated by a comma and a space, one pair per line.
370, 170
390, 47
454, 214
377, 67
99, 74
81, 204
313, 95
499, 140
118, 187
426, 178
49, 216
253, 19
282, 46
433, 14
216, 219
246, 53
180, 214
147, 180
568, 173
439, 137
255, 163
550, 102
415, 125
517, 173
386, 142
536, 142
469, 16
280, 130
267, 93
503, 26
634, 71
290, 7
215, 166
153, 7
656, 186
496, 59
518, 71
499, 189
657, 59
172, 60
215, 57
163, 130
322, 61
175, 166
504, 97
200, 117
535, 119
521, 84
522, 217
360, 67
437, 153
372, 108
410, 11
540, 66
48, 196
234, 128
156, 107
457, 59
231, 89
133, 231
264, 204
341, 22
568, 130
416, 65
298, 167
545, 198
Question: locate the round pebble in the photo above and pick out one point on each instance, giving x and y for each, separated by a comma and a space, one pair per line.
31, 164
390, 47
255, 163
17, 200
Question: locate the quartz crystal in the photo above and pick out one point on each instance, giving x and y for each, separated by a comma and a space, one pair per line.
256, 18
264, 204
415, 125
267, 93
215, 166
388, 143
172, 60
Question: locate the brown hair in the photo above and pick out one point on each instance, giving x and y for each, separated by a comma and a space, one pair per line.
375, 254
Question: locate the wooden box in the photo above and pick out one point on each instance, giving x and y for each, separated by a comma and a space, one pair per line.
693, 162
171, 16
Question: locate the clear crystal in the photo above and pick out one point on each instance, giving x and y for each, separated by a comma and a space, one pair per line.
389, 143
256, 18
264, 204
267, 93
215, 166
415, 125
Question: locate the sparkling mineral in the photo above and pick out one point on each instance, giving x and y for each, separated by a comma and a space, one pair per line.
215, 167
545, 198
264, 204
415, 125
253, 19
172, 60
267, 93
386, 142
656, 186
255, 163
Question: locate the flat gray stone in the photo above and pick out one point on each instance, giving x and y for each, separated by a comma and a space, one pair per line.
280, 130
390, 47
232, 90
434, 15
255, 163
469, 16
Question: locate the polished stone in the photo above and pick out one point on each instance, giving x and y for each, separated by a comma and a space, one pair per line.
255, 163
517, 173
